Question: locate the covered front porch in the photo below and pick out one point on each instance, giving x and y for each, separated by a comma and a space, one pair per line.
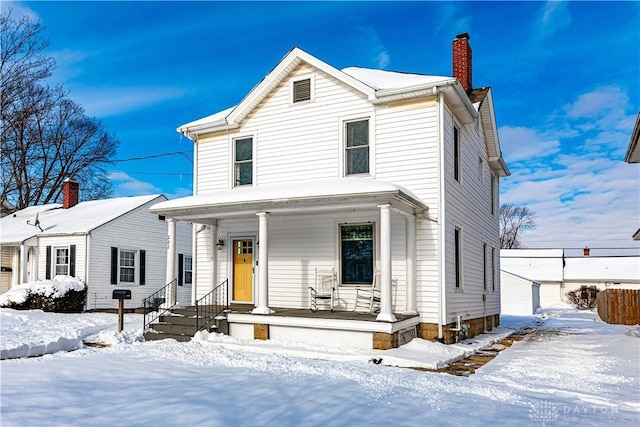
323, 327
289, 232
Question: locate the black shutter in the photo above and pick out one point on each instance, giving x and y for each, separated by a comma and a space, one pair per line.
114, 266
180, 268
143, 260
72, 261
47, 272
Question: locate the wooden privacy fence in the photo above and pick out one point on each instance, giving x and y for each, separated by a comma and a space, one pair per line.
619, 306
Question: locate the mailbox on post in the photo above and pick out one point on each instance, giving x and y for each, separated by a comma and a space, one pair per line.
121, 295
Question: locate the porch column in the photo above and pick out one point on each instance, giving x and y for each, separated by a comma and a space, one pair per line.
385, 315
171, 261
411, 264
23, 263
263, 266
214, 257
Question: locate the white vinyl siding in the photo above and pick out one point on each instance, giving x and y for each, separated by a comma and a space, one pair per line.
313, 242
464, 200
134, 231
294, 142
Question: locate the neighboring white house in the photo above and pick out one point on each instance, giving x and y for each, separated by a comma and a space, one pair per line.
518, 295
368, 173
109, 244
559, 273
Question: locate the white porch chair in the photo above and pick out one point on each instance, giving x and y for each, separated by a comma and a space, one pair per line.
324, 289
368, 298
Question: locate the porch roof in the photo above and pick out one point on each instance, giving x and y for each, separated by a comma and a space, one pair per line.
291, 197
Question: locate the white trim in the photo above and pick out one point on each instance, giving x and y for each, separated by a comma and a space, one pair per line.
320, 323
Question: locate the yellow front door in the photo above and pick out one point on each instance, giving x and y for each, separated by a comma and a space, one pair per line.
243, 270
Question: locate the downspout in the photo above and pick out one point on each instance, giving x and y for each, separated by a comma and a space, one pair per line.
87, 250
442, 288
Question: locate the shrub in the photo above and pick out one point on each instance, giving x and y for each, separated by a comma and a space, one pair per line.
51, 299
584, 298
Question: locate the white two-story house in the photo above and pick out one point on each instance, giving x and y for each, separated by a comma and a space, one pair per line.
387, 179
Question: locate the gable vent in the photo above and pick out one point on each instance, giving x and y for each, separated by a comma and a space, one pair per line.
302, 90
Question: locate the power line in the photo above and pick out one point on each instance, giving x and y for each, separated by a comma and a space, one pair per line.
153, 156
158, 173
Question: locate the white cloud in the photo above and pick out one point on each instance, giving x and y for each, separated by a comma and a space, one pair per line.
572, 174
19, 9
126, 185
110, 101
372, 43
554, 16
521, 143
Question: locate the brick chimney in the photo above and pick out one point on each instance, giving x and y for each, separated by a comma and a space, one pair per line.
462, 60
585, 251
69, 193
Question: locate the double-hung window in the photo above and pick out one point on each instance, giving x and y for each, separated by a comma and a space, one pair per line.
484, 266
61, 266
356, 252
357, 147
243, 161
456, 153
188, 270
457, 257
127, 266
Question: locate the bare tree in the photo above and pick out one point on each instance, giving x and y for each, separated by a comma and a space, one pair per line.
513, 221
45, 137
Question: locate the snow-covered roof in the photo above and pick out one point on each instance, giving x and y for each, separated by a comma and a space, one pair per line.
54, 220
386, 80
377, 85
290, 192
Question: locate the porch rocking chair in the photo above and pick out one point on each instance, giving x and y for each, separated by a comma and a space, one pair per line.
324, 289
368, 298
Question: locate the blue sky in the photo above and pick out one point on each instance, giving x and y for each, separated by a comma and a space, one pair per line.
565, 78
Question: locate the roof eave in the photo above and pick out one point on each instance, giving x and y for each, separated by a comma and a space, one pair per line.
633, 152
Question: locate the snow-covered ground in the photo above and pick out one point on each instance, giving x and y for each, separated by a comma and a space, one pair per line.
575, 371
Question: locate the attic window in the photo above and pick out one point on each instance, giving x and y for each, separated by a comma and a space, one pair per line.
302, 90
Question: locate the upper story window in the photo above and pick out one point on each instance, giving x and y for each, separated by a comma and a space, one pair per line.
243, 162
493, 194
357, 147
302, 90
456, 153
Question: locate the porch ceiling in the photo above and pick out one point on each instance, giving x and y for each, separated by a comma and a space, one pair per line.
292, 198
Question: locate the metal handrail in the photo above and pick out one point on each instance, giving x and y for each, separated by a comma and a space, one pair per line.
212, 305
156, 305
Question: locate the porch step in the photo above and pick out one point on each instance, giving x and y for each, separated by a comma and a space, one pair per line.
180, 325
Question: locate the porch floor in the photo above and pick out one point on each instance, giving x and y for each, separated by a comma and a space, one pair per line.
320, 314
